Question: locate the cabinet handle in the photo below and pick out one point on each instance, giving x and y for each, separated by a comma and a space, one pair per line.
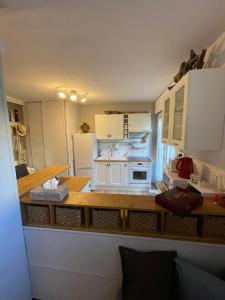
125, 165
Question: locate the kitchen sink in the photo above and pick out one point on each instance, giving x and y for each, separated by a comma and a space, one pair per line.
115, 157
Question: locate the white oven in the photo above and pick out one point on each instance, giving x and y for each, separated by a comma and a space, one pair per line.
139, 173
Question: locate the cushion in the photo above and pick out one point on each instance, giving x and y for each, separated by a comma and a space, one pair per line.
195, 283
148, 275
21, 171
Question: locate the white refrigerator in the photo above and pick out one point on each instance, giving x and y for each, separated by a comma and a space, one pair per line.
85, 152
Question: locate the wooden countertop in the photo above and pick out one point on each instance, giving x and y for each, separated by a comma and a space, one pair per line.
27, 183
117, 201
76, 183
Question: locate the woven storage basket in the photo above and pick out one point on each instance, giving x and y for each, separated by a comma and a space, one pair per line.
142, 221
105, 218
68, 216
38, 214
215, 226
181, 225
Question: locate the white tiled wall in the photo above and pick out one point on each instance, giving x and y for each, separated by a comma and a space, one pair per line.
126, 147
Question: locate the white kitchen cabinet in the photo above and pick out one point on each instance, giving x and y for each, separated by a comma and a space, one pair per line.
139, 122
125, 173
166, 99
109, 126
116, 126
197, 110
115, 173
111, 173
101, 173
102, 126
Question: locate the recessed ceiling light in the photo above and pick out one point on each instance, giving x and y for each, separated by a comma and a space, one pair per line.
62, 95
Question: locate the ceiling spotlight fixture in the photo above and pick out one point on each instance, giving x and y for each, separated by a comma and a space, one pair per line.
62, 95
83, 99
73, 96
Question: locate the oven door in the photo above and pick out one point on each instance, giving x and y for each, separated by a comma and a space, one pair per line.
139, 175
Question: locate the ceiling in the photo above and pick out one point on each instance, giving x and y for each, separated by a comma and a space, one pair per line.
116, 50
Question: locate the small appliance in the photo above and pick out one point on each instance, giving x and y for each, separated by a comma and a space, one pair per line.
185, 167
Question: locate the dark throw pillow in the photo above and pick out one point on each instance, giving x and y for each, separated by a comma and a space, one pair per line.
148, 275
195, 283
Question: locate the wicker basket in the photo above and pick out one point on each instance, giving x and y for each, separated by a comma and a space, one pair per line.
181, 225
38, 214
142, 221
215, 226
106, 218
68, 216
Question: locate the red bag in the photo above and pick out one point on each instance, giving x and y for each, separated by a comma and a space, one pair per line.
179, 201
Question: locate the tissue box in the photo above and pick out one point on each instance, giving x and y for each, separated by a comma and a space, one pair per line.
39, 193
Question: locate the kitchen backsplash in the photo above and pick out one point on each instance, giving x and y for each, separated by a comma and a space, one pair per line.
131, 147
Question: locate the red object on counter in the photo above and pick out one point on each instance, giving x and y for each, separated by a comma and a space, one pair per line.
179, 201
216, 199
185, 167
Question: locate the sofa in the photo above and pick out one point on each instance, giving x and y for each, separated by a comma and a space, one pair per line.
163, 275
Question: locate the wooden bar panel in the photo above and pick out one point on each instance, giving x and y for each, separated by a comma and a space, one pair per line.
27, 183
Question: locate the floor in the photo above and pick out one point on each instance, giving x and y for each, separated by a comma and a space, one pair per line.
130, 191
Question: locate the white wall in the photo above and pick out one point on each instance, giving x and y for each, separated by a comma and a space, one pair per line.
14, 283
77, 265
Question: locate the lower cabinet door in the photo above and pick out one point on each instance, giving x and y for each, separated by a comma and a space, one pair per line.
125, 174
102, 173
116, 174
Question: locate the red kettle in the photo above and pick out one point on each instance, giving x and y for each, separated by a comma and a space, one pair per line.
184, 167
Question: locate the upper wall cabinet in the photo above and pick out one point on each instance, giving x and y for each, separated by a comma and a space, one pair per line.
166, 116
139, 122
118, 126
194, 110
109, 126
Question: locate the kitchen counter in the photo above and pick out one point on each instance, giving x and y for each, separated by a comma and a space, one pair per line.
76, 183
123, 214
127, 159
115, 201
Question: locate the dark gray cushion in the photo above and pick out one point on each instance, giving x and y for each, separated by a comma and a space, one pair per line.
148, 275
195, 283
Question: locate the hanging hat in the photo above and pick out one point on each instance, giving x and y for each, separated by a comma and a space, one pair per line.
21, 129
